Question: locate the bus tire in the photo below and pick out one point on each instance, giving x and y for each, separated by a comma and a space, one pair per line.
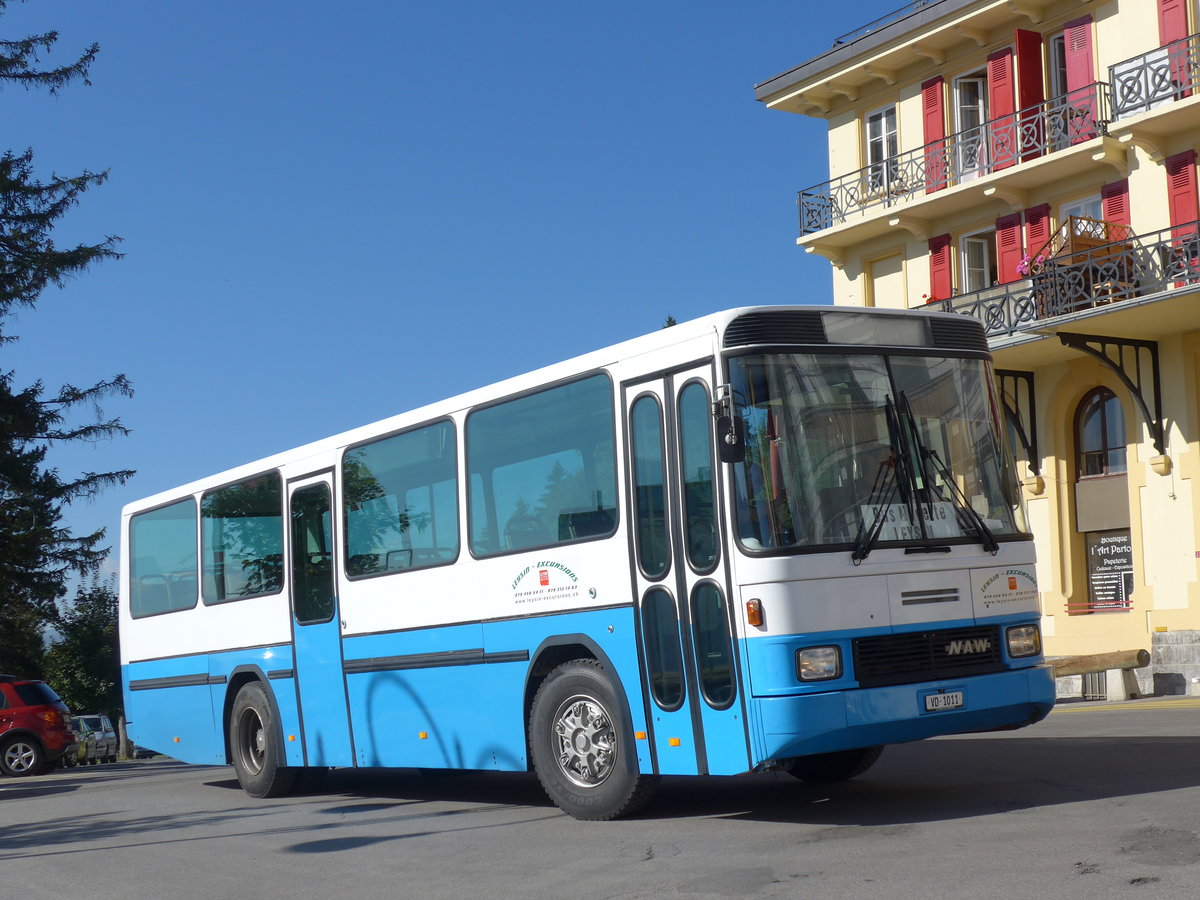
254, 744
828, 768
582, 745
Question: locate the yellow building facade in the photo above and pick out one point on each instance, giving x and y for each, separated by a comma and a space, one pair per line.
1033, 163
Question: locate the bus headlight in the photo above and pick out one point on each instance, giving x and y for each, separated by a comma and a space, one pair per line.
818, 663
1024, 640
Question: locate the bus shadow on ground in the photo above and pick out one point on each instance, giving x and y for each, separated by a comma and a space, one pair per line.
922, 782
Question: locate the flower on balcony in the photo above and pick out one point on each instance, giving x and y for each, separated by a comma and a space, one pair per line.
1027, 266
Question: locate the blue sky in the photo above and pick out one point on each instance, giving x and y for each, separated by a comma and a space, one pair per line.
332, 213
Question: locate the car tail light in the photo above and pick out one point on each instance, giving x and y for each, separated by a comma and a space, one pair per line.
50, 717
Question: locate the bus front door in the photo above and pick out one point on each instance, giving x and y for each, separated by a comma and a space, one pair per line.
696, 709
316, 625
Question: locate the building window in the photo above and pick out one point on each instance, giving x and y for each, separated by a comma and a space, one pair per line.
970, 116
1088, 214
1056, 71
882, 148
1100, 435
978, 261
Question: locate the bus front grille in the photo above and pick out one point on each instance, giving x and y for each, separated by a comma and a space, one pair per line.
927, 655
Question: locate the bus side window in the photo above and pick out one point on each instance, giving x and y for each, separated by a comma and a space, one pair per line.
242, 539
162, 552
400, 501
542, 469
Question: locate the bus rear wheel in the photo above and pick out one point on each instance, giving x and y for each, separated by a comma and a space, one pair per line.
254, 742
828, 768
582, 745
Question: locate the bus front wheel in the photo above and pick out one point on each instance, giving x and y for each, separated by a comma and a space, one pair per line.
582, 745
828, 768
254, 742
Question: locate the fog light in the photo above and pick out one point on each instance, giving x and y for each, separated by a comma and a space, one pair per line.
1024, 640
818, 663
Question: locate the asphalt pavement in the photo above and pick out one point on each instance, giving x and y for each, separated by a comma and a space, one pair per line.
1097, 801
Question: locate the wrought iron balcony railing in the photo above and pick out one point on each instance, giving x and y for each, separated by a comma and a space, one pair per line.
1031, 133
1080, 279
1163, 75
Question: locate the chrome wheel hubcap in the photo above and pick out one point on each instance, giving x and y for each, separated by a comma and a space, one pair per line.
585, 741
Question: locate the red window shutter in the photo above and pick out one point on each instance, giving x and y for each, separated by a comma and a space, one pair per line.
1008, 247
941, 283
1078, 38
1172, 20
1172, 27
1037, 229
1114, 200
1001, 106
933, 110
1181, 193
1031, 91
1031, 87
1081, 75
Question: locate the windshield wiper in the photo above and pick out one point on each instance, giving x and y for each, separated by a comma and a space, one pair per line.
900, 480
885, 480
965, 512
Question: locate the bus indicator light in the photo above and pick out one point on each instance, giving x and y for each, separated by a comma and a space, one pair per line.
640, 735
674, 742
423, 735
754, 612
292, 737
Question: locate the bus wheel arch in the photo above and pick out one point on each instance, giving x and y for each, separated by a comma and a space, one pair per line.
548, 657
581, 743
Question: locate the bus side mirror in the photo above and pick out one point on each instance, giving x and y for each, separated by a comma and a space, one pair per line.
731, 439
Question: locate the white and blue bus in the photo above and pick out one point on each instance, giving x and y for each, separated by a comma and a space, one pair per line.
773, 537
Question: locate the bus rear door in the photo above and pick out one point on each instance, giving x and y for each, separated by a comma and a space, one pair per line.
320, 680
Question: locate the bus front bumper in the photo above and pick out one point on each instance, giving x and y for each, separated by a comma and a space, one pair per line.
821, 723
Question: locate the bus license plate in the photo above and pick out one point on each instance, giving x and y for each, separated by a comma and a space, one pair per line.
939, 702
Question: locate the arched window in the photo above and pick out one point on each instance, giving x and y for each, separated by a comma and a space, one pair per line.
1100, 434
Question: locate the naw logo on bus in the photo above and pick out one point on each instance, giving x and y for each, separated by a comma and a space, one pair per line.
545, 580
970, 646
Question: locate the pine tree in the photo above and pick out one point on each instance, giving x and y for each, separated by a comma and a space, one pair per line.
38, 553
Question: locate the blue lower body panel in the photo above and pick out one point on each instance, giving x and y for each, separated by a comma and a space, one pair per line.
821, 723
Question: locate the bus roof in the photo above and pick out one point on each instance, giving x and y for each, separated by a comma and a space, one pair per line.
710, 325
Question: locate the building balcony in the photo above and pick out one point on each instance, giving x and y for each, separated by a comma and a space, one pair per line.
1000, 157
1155, 95
1095, 269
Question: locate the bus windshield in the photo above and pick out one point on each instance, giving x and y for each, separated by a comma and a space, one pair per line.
857, 448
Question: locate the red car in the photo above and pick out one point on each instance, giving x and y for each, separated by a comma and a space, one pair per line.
35, 727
